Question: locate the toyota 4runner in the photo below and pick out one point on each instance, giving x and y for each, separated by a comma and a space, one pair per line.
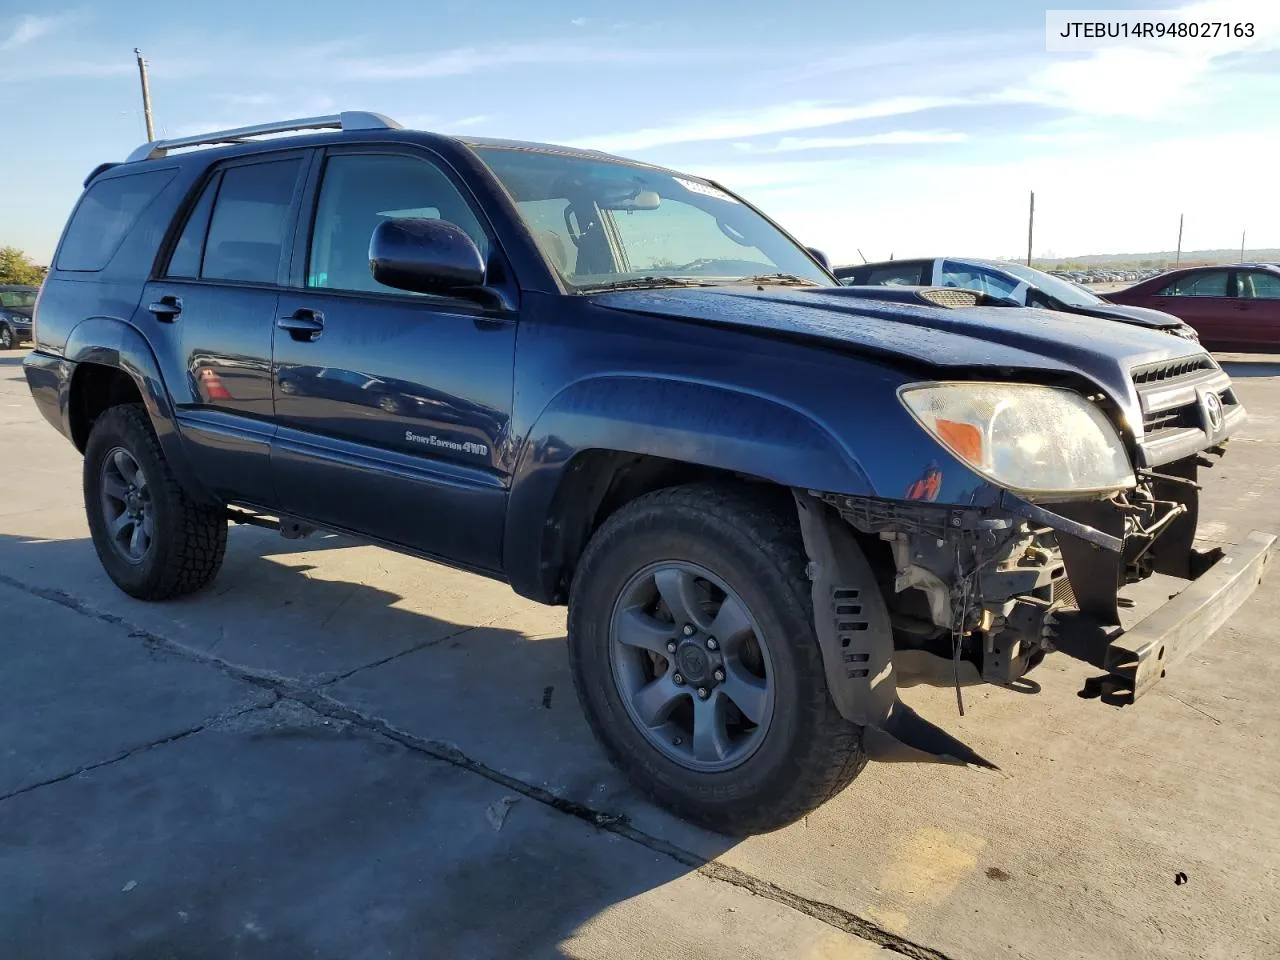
768, 502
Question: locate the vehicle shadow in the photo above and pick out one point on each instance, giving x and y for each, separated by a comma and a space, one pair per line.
492, 701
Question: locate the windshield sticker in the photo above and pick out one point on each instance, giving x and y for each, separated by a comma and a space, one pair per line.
693, 186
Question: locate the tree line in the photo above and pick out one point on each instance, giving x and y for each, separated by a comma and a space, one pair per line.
18, 268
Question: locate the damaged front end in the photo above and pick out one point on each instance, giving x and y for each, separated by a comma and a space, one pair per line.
969, 595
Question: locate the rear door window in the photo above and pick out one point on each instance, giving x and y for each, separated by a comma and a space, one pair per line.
247, 228
1257, 285
105, 215
1212, 283
908, 274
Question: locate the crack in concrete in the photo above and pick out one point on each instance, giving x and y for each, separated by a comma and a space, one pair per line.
337, 678
140, 748
618, 824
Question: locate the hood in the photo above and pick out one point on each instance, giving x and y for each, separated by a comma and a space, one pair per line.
23, 313
1139, 316
958, 339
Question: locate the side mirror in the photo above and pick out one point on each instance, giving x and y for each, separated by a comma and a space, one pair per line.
425, 256
819, 256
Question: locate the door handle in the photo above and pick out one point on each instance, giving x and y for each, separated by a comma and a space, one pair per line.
303, 324
166, 308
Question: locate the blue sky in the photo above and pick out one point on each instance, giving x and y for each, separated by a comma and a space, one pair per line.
909, 128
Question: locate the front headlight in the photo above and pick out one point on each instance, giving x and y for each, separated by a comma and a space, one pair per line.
1027, 438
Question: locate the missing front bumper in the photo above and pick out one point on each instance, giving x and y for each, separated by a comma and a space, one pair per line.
1138, 658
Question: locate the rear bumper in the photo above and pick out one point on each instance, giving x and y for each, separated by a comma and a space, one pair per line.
1138, 658
49, 379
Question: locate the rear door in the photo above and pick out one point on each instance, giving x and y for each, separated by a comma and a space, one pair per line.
1257, 308
394, 408
1203, 299
217, 296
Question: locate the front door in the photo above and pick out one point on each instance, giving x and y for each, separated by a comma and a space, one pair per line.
393, 409
213, 310
1203, 300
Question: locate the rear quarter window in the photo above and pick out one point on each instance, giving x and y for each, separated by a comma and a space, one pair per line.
105, 215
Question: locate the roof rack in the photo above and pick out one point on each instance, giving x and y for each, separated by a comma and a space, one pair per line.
347, 120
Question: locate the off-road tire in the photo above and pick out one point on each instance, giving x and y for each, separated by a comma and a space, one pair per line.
751, 539
190, 538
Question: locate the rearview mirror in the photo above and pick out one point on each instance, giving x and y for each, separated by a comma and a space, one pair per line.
425, 256
636, 200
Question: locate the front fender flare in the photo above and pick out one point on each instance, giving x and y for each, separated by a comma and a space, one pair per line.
110, 342
693, 422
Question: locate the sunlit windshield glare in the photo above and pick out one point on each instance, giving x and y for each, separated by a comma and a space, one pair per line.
604, 223
1059, 289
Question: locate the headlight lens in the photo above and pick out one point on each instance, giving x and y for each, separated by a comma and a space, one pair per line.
1027, 438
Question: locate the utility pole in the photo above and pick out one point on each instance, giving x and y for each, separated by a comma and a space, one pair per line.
1178, 256
146, 94
1031, 226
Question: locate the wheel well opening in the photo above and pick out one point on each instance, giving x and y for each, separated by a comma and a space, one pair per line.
595, 485
96, 388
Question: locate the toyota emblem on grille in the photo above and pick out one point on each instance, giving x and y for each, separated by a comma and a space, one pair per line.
1213, 411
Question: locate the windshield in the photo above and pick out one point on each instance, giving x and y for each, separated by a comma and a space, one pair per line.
1063, 290
17, 298
605, 223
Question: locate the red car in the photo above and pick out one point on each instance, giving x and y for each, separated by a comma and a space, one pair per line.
1232, 307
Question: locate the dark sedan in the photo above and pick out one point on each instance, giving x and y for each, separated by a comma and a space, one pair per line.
1005, 280
1233, 307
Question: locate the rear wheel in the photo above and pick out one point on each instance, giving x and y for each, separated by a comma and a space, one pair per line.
154, 541
694, 654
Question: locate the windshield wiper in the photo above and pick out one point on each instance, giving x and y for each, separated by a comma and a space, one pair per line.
644, 283
780, 279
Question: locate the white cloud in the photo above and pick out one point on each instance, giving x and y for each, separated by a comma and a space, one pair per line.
467, 60
892, 138
578, 22
800, 115
467, 122
31, 27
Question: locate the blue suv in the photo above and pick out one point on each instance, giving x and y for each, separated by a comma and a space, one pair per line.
768, 502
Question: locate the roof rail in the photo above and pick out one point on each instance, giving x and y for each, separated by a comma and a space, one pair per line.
347, 120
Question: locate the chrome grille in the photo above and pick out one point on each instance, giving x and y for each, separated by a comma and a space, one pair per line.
1171, 370
1174, 396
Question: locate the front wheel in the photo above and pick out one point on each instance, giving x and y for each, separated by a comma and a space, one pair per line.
694, 654
8, 340
154, 541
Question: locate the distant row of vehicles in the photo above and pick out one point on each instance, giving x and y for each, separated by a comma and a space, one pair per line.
1107, 276
1231, 307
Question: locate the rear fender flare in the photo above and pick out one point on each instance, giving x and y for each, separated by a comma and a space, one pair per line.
111, 342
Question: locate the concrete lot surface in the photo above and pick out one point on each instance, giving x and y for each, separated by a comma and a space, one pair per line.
337, 751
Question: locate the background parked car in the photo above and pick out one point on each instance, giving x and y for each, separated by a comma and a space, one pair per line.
16, 303
1236, 306
1020, 284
